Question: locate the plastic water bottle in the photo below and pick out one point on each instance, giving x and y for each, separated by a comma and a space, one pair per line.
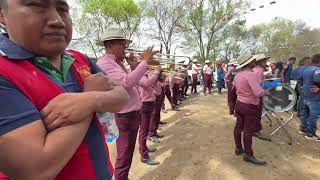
110, 128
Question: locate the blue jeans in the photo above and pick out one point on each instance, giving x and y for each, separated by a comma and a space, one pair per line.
300, 103
309, 116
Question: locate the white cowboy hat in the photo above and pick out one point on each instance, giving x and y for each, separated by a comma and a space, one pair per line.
233, 61
207, 62
244, 60
195, 60
260, 57
113, 34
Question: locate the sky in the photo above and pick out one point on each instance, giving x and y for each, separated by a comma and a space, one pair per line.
306, 10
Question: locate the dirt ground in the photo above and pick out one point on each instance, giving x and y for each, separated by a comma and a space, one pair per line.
198, 145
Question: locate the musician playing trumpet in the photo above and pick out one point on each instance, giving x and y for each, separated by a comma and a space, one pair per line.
128, 119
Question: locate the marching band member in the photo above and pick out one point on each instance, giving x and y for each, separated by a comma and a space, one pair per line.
158, 89
175, 81
229, 82
207, 71
168, 85
259, 70
182, 83
128, 119
195, 74
186, 82
148, 99
248, 92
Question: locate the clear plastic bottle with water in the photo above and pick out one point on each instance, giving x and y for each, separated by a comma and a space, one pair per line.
110, 128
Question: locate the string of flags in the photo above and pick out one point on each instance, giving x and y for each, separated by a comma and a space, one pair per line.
261, 7
227, 18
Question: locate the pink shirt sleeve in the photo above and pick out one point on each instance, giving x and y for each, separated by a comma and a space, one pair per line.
227, 76
127, 80
254, 84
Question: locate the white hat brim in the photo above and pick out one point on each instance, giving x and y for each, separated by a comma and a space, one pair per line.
246, 63
101, 42
265, 58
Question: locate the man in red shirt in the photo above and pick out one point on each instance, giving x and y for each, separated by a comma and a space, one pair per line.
50, 133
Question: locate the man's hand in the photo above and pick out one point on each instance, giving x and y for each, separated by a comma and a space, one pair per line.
159, 68
315, 89
98, 82
132, 61
147, 55
267, 92
68, 108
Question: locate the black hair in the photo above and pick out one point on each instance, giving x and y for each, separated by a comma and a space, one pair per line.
303, 61
292, 59
279, 65
316, 59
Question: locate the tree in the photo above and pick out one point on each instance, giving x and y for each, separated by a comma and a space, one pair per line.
205, 20
93, 17
163, 19
282, 38
235, 40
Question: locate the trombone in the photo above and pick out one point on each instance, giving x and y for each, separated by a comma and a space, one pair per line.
167, 61
162, 58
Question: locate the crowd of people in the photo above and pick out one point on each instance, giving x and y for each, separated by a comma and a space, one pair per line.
49, 129
245, 78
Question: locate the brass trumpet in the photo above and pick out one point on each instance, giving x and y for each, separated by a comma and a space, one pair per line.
167, 61
160, 57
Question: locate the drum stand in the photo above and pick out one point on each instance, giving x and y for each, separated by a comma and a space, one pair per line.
280, 121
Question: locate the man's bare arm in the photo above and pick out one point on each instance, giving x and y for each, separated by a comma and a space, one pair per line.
30, 152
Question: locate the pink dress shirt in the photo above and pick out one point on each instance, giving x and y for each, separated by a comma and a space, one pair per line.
129, 80
167, 81
145, 86
227, 77
207, 69
157, 88
195, 69
259, 73
175, 79
248, 87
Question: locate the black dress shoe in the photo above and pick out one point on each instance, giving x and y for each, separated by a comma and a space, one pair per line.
150, 162
238, 152
260, 136
159, 136
162, 122
175, 109
151, 150
253, 160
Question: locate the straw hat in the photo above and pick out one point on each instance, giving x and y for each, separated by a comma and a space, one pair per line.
233, 61
113, 34
195, 60
244, 60
260, 57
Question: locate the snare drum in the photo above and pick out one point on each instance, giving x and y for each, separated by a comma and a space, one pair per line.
283, 98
